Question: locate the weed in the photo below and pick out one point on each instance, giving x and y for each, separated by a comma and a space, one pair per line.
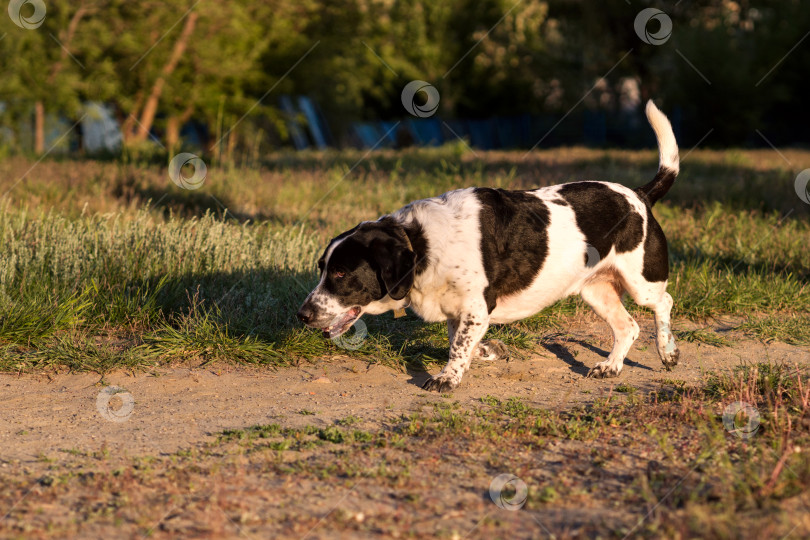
702, 336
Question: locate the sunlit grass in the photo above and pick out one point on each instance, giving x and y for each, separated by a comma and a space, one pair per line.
88, 261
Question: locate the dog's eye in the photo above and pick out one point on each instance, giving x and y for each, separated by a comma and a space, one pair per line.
338, 274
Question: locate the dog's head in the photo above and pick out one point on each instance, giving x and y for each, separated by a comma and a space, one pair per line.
368, 269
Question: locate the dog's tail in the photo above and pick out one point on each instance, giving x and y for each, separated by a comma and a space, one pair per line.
668, 165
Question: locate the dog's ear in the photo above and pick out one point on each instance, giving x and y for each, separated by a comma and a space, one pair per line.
396, 261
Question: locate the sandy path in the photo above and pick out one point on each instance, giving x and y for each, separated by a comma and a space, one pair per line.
180, 407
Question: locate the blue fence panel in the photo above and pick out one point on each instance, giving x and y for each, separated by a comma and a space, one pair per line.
513, 131
482, 134
367, 133
297, 134
456, 129
307, 106
426, 131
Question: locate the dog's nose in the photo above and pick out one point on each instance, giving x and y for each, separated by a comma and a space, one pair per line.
305, 314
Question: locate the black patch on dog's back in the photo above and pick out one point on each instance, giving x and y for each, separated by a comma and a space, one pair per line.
514, 240
656, 258
604, 217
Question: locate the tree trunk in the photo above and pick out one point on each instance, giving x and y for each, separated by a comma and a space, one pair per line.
230, 148
172, 132
150, 108
39, 108
39, 127
67, 41
173, 126
128, 125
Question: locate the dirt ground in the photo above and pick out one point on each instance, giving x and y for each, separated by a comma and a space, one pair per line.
49, 418
177, 408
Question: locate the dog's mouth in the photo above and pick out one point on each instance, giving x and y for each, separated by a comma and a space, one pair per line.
341, 323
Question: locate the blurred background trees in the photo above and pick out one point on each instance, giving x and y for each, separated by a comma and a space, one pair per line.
730, 68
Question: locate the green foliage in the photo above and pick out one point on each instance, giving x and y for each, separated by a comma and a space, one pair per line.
227, 63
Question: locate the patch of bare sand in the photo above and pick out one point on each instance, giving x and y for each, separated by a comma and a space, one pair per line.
180, 407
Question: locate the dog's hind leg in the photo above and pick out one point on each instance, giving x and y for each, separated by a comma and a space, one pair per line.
654, 295
664, 337
604, 296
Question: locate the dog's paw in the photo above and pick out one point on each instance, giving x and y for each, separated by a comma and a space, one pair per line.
491, 350
670, 359
603, 370
440, 383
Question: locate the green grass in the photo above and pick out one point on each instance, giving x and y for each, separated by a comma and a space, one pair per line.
702, 336
94, 276
793, 328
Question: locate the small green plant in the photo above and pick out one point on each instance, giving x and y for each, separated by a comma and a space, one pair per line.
332, 434
625, 388
547, 494
702, 336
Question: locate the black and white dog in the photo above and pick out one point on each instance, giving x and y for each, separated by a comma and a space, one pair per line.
478, 256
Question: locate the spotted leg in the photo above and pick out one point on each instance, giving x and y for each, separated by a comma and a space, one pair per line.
487, 350
465, 335
664, 338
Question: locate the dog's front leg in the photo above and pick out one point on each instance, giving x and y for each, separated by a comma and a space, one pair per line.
464, 334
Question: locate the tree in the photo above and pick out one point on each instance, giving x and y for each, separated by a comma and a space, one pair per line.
41, 71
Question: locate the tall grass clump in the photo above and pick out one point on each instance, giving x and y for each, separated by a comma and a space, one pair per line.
104, 274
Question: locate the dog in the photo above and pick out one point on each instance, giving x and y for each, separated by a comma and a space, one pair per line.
478, 256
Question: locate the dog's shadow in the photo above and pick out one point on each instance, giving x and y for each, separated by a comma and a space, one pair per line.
419, 373
418, 378
561, 351
416, 367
